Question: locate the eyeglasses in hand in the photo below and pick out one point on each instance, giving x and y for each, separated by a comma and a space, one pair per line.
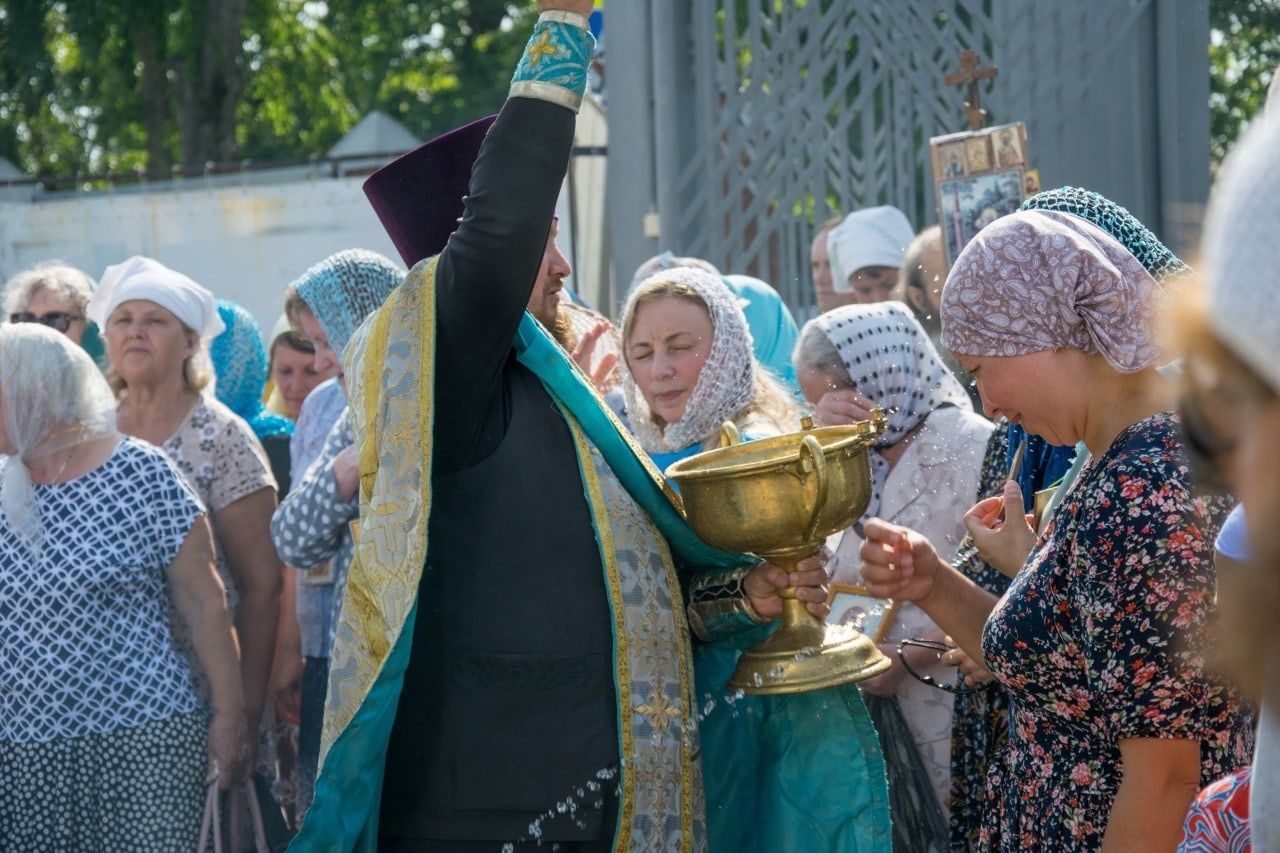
959, 688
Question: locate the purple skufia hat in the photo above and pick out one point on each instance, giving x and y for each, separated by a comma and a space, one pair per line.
418, 196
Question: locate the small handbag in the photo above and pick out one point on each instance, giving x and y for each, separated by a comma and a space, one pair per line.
212, 819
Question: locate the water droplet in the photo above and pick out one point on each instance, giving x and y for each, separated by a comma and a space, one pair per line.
757, 679
708, 708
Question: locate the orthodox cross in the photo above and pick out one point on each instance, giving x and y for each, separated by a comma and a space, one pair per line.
969, 75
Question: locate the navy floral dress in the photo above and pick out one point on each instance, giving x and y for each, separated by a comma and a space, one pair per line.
1101, 638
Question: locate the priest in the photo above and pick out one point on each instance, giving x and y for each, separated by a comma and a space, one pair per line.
512, 660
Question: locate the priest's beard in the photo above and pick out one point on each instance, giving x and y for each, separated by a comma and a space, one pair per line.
562, 331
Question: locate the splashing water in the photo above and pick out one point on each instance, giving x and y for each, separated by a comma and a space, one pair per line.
579, 798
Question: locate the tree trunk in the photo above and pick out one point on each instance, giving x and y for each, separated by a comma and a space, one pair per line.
213, 80
156, 105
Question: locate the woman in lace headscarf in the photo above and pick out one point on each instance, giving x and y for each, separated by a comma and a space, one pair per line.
102, 737
312, 526
690, 368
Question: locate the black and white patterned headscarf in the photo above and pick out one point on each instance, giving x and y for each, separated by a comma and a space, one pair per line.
892, 362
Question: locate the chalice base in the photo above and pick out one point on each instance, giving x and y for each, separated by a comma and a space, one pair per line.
806, 654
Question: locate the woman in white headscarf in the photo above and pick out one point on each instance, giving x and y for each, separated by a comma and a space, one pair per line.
774, 781
102, 737
926, 468
158, 323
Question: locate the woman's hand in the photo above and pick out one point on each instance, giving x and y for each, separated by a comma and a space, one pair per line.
973, 671
810, 578
1002, 530
346, 472
286, 685
229, 746
897, 563
602, 376
846, 406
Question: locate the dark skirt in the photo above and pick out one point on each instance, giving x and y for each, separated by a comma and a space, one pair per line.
130, 789
919, 825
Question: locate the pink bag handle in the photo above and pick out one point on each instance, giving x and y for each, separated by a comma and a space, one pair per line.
213, 818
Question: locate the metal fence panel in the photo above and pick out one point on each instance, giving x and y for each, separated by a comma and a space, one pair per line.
765, 117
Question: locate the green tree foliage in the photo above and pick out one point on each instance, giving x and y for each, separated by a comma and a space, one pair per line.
97, 86
1243, 53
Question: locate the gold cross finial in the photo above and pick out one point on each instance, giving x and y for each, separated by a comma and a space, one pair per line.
543, 47
969, 75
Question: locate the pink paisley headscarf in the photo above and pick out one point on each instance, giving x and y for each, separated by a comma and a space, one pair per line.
1039, 280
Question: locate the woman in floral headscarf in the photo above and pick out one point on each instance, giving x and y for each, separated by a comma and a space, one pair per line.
1100, 638
689, 368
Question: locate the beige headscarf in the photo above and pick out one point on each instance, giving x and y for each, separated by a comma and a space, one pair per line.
1039, 280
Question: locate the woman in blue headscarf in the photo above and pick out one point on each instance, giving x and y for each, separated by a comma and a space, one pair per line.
240, 364
773, 329
312, 527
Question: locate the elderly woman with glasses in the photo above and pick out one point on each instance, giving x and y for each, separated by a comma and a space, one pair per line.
55, 295
104, 743
157, 324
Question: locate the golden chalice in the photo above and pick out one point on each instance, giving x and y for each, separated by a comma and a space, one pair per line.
779, 499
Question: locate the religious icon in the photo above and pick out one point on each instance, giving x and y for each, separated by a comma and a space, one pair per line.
969, 204
977, 155
951, 158
1031, 182
853, 604
1007, 140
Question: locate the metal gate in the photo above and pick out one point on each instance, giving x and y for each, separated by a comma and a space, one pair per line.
743, 123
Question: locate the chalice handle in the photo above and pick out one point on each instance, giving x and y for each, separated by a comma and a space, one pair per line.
794, 611
813, 450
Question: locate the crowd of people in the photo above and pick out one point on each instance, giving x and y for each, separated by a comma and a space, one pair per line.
407, 575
